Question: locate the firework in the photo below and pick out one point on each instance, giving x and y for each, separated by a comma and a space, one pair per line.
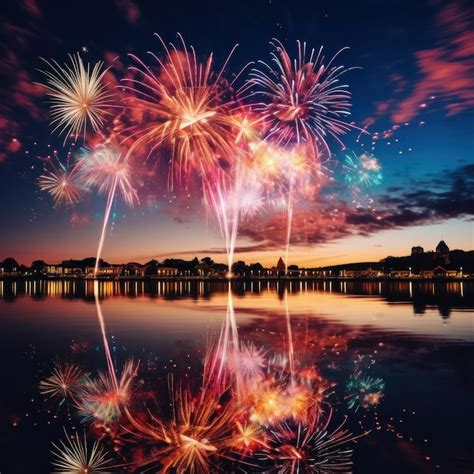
303, 99
250, 362
106, 170
309, 448
364, 391
79, 97
62, 184
187, 108
248, 437
362, 171
105, 397
63, 383
74, 456
197, 435
231, 197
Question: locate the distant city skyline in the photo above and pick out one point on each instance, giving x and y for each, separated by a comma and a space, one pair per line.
267, 261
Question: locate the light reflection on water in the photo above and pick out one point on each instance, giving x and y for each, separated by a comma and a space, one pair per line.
419, 333
441, 309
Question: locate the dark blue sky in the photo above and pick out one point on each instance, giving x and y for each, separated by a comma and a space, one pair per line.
417, 73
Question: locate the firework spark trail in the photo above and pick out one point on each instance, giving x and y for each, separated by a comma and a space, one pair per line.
303, 102
227, 350
108, 208
289, 219
198, 432
100, 316
105, 170
223, 198
291, 350
63, 383
104, 398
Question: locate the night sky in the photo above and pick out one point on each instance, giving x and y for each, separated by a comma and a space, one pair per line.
414, 90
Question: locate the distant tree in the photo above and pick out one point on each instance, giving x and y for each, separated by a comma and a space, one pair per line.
10, 265
90, 262
256, 268
38, 266
151, 268
207, 261
220, 268
293, 267
239, 268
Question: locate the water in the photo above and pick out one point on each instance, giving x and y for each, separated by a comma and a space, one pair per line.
417, 337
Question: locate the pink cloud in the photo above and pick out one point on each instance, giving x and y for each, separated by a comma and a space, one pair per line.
446, 71
32, 7
129, 9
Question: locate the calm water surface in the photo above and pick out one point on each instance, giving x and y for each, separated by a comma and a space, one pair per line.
417, 337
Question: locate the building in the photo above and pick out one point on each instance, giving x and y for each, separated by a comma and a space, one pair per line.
133, 270
441, 272
442, 250
365, 273
72, 271
417, 250
113, 271
53, 270
279, 270
400, 273
167, 272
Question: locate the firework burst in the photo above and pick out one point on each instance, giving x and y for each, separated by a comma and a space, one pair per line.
303, 99
187, 108
196, 436
104, 398
309, 448
79, 97
63, 383
362, 171
106, 170
62, 184
364, 391
250, 361
75, 456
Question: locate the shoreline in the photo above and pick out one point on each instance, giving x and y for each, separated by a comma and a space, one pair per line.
236, 279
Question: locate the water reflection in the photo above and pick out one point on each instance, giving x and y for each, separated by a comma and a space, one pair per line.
369, 351
445, 296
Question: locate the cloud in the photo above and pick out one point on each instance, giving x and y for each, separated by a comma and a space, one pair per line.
32, 7
130, 10
18, 96
445, 73
443, 197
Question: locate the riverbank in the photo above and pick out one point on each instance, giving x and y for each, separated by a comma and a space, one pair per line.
235, 278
